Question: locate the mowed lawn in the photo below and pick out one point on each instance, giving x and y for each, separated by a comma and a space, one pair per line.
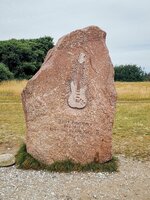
131, 133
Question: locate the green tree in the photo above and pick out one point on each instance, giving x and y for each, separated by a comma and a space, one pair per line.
5, 74
24, 57
129, 73
147, 76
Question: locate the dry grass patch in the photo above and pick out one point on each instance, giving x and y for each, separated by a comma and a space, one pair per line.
10, 91
12, 124
133, 91
14, 87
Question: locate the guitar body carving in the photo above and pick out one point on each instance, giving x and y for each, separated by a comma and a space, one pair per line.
77, 98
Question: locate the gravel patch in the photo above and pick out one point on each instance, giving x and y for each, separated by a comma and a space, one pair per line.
132, 182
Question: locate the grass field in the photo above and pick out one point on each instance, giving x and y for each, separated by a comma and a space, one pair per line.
131, 133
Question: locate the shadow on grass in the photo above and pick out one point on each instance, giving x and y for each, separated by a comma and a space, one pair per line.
25, 161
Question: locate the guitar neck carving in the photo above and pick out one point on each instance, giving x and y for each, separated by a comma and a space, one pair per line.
77, 97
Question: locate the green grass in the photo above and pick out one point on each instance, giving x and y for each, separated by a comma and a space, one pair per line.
131, 133
26, 161
12, 126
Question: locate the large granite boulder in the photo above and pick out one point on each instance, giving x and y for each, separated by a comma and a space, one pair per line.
69, 103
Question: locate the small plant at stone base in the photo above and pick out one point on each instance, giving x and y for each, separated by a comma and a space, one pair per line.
25, 161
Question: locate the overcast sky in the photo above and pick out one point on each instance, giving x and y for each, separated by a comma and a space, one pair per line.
127, 23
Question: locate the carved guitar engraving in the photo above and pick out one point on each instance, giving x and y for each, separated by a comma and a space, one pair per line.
77, 98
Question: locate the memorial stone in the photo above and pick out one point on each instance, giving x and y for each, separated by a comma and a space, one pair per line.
69, 103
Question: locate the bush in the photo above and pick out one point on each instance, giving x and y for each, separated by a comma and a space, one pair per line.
26, 70
24, 57
147, 76
5, 74
129, 73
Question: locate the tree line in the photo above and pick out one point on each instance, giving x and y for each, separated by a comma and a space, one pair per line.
130, 73
21, 59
